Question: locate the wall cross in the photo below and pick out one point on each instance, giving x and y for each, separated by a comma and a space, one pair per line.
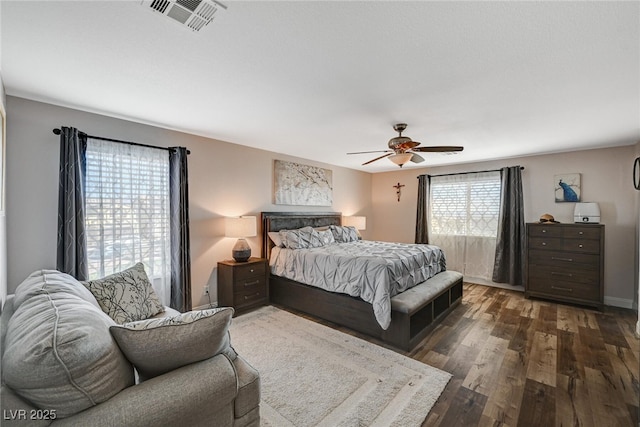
398, 186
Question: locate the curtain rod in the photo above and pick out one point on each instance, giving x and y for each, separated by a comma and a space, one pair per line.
465, 173
58, 131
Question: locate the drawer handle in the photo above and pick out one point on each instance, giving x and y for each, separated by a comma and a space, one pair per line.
561, 289
581, 233
580, 246
246, 297
554, 273
255, 282
251, 270
544, 243
544, 231
555, 258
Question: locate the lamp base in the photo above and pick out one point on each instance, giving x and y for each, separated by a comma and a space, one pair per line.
241, 251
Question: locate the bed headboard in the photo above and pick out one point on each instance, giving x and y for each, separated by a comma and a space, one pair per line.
276, 221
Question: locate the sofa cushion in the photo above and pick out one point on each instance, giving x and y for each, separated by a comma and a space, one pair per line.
58, 352
156, 346
126, 296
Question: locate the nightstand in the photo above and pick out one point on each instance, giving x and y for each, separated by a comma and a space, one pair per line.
243, 285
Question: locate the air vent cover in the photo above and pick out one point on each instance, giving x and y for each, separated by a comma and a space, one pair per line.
193, 14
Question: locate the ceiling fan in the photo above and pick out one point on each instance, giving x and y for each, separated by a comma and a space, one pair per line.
402, 149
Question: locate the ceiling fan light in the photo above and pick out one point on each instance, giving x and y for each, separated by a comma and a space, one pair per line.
401, 158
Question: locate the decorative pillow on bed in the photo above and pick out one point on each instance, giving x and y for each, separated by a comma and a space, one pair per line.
276, 238
302, 238
156, 346
326, 237
344, 234
126, 296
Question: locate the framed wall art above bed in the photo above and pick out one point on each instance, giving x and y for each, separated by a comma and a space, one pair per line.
302, 185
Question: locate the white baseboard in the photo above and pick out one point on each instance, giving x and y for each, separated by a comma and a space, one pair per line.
206, 306
618, 302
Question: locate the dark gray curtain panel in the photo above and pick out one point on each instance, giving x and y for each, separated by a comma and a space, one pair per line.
422, 220
180, 252
510, 243
72, 241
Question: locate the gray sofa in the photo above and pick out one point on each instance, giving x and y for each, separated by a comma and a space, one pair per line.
62, 366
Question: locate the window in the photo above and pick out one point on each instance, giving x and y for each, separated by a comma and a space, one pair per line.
127, 211
463, 220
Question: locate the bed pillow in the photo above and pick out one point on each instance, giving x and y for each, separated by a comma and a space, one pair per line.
326, 237
302, 238
157, 346
276, 238
126, 296
344, 234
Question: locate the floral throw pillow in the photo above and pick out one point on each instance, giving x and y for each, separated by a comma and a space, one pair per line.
126, 296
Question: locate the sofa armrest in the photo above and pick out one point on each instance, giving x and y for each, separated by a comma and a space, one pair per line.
198, 394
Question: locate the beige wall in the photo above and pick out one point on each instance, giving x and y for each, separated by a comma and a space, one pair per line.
224, 179
606, 178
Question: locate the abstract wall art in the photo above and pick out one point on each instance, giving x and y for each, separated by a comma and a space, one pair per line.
302, 185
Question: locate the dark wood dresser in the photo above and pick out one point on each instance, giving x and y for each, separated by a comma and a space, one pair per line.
565, 262
243, 285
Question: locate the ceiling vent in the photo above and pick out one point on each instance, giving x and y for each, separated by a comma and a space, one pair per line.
193, 14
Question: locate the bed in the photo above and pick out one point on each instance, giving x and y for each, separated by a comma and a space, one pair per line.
412, 313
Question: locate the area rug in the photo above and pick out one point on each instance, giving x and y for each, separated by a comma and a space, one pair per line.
312, 375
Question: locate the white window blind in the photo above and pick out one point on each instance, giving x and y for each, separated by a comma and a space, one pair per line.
127, 211
463, 220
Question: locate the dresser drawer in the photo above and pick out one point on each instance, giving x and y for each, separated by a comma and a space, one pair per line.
544, 231
564, 259
564, 289
581, 245
243, 272
581, 233
572, 274
545, 243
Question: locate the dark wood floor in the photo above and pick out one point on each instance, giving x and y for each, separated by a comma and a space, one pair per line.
520, 362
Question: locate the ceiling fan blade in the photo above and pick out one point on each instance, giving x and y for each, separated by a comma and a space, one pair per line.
378, 158
367, 152
439, 149
416, 158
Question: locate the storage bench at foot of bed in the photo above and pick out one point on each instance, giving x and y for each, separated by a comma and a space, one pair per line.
414, 313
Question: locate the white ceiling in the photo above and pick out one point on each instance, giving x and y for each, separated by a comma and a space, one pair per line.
320, 79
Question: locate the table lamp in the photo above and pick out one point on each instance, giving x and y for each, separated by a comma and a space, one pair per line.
241, 227
359, 222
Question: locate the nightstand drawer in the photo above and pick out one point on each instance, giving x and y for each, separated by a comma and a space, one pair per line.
248, 284
243, 272
250, 296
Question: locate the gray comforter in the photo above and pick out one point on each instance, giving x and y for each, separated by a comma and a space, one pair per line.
372, 271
